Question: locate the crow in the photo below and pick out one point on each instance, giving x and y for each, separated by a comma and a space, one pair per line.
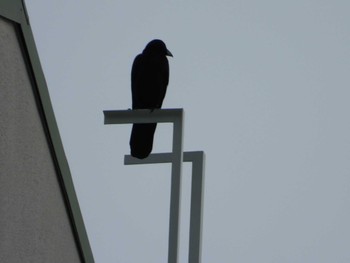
149, 81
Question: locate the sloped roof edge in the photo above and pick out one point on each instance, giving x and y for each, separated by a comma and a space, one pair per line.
15, 11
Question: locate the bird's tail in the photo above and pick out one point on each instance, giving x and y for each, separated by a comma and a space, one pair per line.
141, 139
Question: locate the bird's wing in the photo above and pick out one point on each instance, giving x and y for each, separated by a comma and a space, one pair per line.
135, 81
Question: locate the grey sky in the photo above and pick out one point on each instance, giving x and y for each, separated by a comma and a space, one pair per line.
265, 88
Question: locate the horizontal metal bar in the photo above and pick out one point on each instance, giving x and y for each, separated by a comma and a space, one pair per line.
195, 156
152, 158
141, 116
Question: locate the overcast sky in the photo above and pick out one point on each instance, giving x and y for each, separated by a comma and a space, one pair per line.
265, 89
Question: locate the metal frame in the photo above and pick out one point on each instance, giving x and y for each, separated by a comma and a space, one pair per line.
174, 116
197, 158
171, 116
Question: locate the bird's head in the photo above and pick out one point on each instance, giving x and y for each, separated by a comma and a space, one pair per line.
158, 47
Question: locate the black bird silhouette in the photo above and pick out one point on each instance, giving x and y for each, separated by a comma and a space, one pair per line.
149, 81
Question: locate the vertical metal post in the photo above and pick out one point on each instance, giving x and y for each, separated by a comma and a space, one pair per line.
175, 191
194, 255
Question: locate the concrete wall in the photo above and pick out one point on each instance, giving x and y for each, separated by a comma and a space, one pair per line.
34, 225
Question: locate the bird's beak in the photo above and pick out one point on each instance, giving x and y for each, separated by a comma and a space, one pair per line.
168, 53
